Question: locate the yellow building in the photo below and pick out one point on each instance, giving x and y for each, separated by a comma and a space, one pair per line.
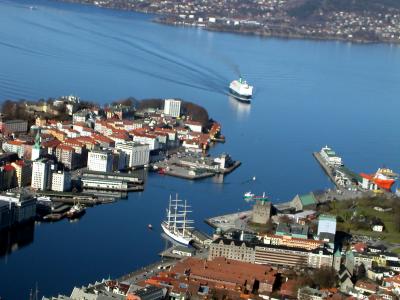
23, 172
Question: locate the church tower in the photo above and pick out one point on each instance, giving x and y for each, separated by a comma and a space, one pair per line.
36, 150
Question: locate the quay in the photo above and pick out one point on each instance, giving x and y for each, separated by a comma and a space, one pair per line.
88, 202
328, 170
178, 252
225, 222
342, 177
194, 166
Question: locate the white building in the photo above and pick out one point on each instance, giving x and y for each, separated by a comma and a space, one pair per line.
327, 228
61, 181
41, 174
137, 155
100, 160
147, 139
194, 126
172, 108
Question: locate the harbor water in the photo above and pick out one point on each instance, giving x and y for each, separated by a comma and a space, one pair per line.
307, 94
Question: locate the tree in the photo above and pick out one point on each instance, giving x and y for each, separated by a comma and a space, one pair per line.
325, 277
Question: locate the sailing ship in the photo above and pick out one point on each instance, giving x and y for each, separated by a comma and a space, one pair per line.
177, 226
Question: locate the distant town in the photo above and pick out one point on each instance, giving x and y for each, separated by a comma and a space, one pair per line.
356, 21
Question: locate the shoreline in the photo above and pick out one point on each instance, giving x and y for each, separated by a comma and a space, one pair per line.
160, 18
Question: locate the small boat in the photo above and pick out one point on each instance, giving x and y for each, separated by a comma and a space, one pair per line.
150, 226
76, 211
248, 196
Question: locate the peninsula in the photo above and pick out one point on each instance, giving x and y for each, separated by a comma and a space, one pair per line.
362, 21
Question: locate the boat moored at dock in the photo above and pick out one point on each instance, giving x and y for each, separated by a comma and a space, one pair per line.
383, 178
76, 211
177, 226
330, 157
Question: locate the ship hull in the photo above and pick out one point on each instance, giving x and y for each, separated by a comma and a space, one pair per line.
242, 98
76, 214
382, 183
180, 239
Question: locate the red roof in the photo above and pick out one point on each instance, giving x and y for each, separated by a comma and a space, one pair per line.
8, 168
102, 138
50, 144
65, 147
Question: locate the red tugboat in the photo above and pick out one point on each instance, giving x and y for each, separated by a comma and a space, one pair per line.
383, 178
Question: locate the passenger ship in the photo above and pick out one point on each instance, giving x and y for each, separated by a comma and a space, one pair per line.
241, 90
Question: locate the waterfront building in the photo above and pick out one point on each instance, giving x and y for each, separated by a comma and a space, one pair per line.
232, 249
13, 126
137, 155
302, 202
23, 172
327, 228
100, 160
104, 184
270, 254
172, 108
6, 212
41, 174
61, 181
261, 211
7, 177
23, 206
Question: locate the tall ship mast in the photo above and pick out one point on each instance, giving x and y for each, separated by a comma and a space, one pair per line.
177, 226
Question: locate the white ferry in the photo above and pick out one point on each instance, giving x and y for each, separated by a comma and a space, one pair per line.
241, 90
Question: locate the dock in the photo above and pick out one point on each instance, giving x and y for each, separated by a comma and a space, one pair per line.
327, 169
86, 201
230, 221
196, 166
341, 176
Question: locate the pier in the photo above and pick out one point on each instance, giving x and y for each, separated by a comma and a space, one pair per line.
194, 166
236, 220
327, 169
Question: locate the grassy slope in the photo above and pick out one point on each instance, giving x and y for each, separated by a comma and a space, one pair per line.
364, 207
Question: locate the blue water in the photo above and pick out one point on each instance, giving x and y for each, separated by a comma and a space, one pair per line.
308, 94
